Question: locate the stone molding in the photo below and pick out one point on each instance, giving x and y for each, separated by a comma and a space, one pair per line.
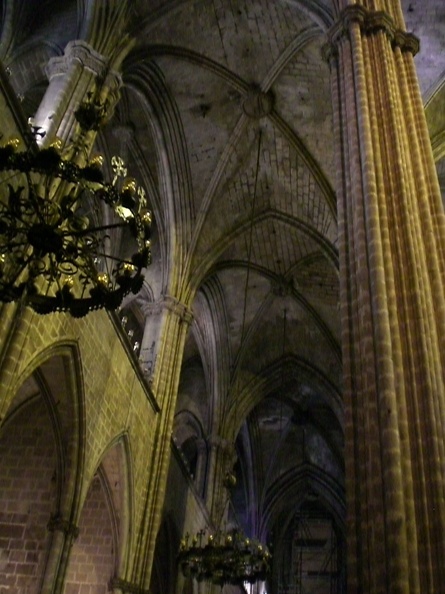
370, 22
126, 587
57, 523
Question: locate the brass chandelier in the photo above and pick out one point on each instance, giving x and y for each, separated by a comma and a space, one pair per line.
55, 252
224, 556
227, 558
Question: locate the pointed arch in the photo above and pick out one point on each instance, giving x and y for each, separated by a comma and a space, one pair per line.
47, 411
58, 371
115, 468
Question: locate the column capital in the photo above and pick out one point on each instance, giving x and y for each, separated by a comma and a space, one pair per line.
226, 446
167, 302
57, 523
370, 22
80, 52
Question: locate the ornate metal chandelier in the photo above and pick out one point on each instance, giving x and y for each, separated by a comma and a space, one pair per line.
57, 217
224, 556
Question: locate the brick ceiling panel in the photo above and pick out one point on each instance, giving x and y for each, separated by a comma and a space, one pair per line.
232, 32
304, 339
277, 246
233, 283
209, 109
286, 442
286, 190
302, 97
317, 278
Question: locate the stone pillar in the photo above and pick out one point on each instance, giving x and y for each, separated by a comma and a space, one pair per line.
80, 71
64, 533
391, 244
165, 380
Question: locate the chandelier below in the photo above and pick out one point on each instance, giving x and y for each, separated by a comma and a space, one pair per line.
57, 219
226, 556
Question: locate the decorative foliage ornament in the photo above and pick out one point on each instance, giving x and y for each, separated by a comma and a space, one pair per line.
55, 253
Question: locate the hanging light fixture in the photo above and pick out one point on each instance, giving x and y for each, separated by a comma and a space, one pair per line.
55, 255
228, 556
224, 556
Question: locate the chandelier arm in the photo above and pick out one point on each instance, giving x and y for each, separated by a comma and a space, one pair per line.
21, 269
13, 244
88, 231
115, 258
54, 273
10, 177
32, 196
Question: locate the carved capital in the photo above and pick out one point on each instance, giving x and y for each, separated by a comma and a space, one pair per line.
407, 42
179, 309
80, 53
170, 303
57, 523
223, 445
370, 22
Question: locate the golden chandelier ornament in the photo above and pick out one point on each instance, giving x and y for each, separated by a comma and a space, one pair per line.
55, 253
227, 558
224, 556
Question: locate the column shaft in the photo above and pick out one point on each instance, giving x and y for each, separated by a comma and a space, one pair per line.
391, 242
165, 388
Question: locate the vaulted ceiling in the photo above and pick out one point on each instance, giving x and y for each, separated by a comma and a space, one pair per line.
226, 119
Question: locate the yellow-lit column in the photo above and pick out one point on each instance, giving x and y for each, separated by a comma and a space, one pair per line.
391, 242
176, 320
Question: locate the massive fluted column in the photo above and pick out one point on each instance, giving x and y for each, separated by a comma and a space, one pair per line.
391, 242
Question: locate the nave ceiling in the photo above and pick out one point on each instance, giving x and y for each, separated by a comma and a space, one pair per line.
225, 116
